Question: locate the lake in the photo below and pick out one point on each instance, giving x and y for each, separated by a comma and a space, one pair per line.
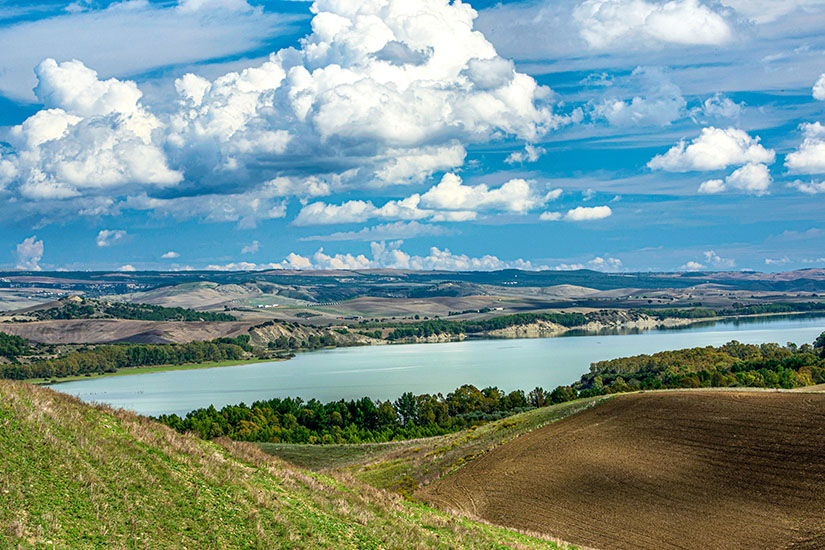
385, 372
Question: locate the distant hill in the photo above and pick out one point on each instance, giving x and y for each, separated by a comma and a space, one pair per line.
73, 476
340, 284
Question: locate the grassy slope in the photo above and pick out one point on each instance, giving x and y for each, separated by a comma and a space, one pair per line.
78, 476
406, 465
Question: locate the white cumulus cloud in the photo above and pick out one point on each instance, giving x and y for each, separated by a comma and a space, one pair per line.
109, 237
93, 136
692, 266
448, 201
170, 255
754, 179
818, 90
251, 248
599, 263
587, 213
378, 93
712, 187
809, 187
29, 253
751, 178
517, 195
530, 153
605, 23
386, 255
809, 158
714, 149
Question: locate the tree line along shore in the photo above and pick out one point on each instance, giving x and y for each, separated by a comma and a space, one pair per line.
292, 420
275, 340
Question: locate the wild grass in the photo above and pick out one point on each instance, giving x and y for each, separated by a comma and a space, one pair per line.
75, 476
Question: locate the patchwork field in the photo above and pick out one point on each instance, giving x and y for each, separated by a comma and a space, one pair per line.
660, 471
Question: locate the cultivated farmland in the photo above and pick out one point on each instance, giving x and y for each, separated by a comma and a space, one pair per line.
660, 471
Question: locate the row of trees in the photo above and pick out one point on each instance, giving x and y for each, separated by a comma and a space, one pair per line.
736, 309
314, 341
293, 420
111, 357
90, 309
438, 326
149, 312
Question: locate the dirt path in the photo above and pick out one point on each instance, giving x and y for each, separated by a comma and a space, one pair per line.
660, 471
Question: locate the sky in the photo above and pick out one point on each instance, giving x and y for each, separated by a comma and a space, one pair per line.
617, 135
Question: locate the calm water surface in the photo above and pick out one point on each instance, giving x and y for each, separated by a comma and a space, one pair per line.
385, 372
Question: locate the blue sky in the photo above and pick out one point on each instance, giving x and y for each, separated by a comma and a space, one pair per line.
621, 135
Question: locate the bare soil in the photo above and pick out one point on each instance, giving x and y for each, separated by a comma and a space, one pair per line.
662, 470
100, 331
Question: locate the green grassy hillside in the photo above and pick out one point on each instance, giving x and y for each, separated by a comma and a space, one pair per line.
77, 476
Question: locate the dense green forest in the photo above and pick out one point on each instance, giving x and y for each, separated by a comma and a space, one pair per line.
93, 309
293, 420
111, 357
13, 346
731, 365
432, 327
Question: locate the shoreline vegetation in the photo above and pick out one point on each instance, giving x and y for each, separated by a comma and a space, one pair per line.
293, 420
84, 362
129, 371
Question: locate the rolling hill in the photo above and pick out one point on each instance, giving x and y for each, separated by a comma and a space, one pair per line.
75, 476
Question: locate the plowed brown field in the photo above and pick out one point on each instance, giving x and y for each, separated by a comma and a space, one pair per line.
676, 470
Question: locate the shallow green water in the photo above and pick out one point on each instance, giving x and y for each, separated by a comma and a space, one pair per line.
385, 372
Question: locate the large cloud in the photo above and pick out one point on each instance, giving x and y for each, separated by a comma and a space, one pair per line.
390, 88
714, 149
94, 135
383, 92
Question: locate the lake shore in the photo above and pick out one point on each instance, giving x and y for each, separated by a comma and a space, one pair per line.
532, 330
129, 371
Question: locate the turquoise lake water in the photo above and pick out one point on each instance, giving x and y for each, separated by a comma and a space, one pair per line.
385, 372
